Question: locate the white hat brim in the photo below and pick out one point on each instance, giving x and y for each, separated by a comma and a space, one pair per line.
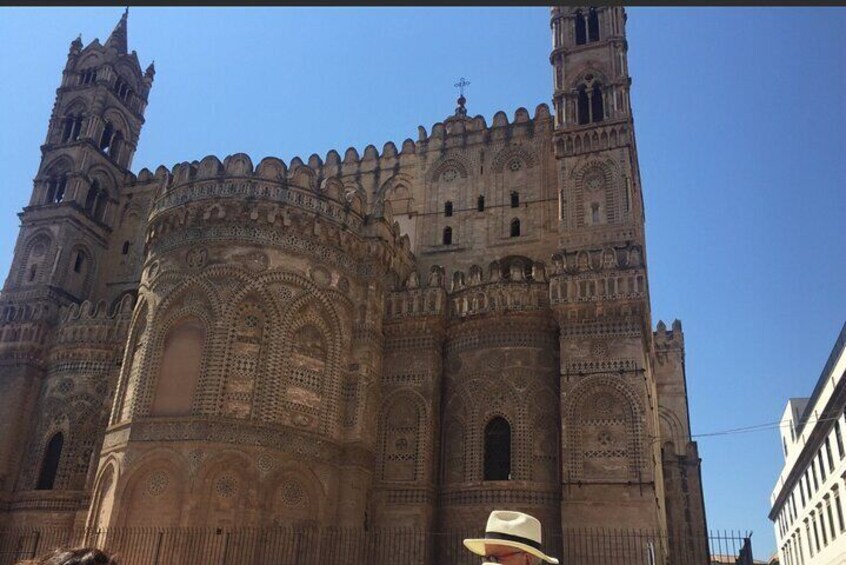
477, 546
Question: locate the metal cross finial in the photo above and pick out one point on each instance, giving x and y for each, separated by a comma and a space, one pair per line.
462, 82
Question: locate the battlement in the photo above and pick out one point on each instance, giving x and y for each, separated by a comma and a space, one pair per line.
665, 338
317, 174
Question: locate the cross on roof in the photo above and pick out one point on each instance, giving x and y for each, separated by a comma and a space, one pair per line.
462, 82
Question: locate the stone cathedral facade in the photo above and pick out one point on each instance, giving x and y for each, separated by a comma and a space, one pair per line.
407, 337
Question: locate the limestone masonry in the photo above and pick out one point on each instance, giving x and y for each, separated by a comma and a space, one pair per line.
404, 338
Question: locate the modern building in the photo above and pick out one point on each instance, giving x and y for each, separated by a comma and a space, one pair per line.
807, 502
395, 338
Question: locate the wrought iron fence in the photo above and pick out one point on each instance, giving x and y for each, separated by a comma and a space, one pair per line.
330, 546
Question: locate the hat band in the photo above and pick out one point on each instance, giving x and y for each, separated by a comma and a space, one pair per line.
509, 537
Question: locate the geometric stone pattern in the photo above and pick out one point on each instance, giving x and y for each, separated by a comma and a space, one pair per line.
326, 341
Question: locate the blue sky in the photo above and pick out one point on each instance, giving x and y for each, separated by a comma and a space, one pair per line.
739, 117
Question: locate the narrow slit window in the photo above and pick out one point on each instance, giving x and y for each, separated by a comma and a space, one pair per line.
125, 249
581, 31
515, 228
448, 209
498, 450
583, 106
593, 25
515, 199
78, 262
480, 203
50, 463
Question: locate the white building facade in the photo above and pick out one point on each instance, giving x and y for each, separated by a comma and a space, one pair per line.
807, 503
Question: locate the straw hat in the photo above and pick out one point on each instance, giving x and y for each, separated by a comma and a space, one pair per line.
512, 529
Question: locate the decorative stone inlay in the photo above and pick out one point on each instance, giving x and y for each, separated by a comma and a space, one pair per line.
225, 486
196, 257
292, 494
157, 483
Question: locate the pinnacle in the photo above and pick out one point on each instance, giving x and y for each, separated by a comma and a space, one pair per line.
118, 37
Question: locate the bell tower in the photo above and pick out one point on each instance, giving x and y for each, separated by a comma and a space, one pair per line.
600, 200
609, 412
65, 229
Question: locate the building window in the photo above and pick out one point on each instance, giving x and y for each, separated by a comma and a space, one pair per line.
822, 465
125, 249
581, 28
480, 203
802, 491
448, 209
583, 106
808, 535
56, 189
822, 524
88, 76
447, 239
50, 463
515, 228
839, 438
72, 128
515, 199
830, 517
498, 450
816, 532
593, 25
597, 106
839, 509
814, 475
828, 455
78, 262
32, 273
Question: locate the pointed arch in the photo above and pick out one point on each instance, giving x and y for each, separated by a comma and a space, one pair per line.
402, 445
497, 450
50, 462
180, 368
604, 423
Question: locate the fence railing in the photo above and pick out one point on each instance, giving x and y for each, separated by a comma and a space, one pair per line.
330, 546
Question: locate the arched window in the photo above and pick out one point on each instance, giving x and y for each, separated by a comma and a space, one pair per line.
56, 189
448, 208
91, 197
114, 146
480, 203
515, 228
100, 206
498, 450
106, 138
72, 128
88, 76
593, 25
594, 213
180, 369
50, 463
597, 108
78, 262
583, 106
515, 199
581, 32
447, 236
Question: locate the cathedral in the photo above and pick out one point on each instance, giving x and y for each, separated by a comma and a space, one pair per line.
408, 337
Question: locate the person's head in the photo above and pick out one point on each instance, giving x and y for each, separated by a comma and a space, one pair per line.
511, 538
508, 555
77, 556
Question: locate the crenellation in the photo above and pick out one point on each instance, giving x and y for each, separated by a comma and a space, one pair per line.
348, 327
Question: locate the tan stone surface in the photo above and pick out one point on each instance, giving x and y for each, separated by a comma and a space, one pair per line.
235, 344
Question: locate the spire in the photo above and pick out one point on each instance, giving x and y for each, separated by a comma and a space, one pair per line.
118, 37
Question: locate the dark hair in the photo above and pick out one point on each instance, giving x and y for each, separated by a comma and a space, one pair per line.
77, 556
